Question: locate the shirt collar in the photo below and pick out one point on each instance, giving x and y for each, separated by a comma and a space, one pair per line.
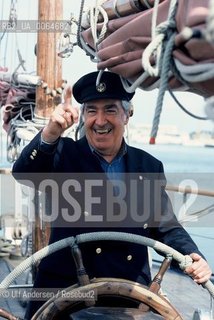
120, 154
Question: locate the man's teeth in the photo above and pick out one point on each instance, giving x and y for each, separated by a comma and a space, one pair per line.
103, 131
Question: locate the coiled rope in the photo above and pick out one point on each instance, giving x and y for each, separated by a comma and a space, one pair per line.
94, 14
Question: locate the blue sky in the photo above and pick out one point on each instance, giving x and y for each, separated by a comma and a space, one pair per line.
78, 64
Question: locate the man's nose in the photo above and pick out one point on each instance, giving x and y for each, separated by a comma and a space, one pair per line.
101, 118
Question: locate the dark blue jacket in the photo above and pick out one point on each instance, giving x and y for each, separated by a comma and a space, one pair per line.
101, 259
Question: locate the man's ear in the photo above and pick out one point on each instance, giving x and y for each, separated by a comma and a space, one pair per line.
126, 119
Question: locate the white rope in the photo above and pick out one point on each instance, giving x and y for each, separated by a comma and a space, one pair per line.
209, 31
193, 69
197, 73
155, 47
93, 13
154, 18
161, 50
138, 81
87, 49
153, 86
105, 22
99, 77
94, 16
153, 71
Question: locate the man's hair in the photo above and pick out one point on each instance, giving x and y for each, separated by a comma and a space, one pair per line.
126, 105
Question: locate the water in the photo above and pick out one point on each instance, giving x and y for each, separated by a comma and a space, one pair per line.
195, 162
178, 158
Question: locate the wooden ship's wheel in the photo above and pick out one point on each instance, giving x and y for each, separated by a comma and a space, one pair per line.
105, 298
108, 298
133, 301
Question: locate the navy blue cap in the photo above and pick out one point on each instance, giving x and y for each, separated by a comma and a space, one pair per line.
109, 87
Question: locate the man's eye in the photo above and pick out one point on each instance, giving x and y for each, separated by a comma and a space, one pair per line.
111, 111
91, 111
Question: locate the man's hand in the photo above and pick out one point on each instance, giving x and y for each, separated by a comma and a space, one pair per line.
63, 117
199, 269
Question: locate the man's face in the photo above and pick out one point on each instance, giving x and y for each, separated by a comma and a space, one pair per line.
104, 125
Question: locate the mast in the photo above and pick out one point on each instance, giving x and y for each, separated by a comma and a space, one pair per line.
49, 65
49, 68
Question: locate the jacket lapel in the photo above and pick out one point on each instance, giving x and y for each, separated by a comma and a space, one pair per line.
133, 160
87, 159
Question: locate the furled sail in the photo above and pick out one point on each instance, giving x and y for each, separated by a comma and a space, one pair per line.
146, 41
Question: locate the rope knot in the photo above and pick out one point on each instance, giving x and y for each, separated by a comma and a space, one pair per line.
165, 27
186, 262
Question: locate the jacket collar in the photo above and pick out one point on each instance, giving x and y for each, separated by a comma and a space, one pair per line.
133, 161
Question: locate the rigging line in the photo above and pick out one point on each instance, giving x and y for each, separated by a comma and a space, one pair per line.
184, 109
194, 217
26, 35
163, 85
202, 212
2, 10
11, 19
21, 60
5, 49
3, 34
79, 28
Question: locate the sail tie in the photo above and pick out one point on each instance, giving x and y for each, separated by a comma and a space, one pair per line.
80, 41
94, 15
160, 48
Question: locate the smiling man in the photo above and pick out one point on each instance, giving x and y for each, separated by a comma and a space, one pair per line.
104, 126
105, 108
106, 111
